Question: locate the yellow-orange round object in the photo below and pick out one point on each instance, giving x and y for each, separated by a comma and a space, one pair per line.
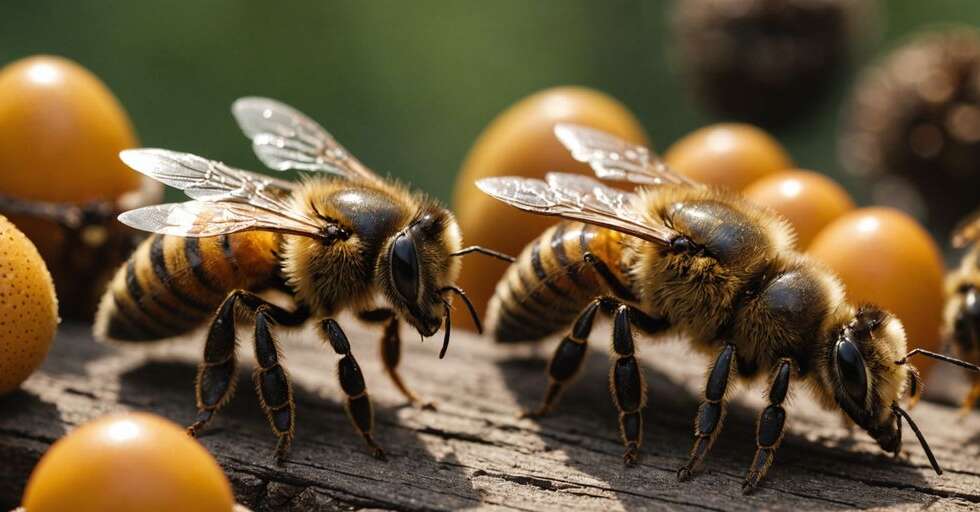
808, 200
885, 257
730, 155
131, 461
28, 308
61, 131
521, 142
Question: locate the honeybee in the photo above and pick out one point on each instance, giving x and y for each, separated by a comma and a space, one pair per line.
341, 239
961, 326
676, 255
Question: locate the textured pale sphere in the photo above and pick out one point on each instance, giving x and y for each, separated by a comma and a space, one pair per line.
131, 461
28, 308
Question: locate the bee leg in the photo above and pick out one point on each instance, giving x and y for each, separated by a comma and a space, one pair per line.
711, 413
216, 375
627, 385
215, 383
358, 404
567, 360
391, 353
272, 383
971, 398
769, 432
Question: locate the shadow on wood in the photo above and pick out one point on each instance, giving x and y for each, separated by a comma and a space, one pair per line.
473, 452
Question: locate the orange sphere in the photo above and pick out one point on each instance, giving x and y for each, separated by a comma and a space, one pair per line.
885, 257
808, 200
61, 131
133, 461
727, 155
28, 308
521, 142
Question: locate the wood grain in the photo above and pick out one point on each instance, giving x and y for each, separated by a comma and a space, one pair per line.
473, 452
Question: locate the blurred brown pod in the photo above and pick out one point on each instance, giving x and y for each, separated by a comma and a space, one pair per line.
913, 127
766, 61
61, 181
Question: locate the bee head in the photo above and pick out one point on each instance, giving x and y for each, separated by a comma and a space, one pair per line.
417, 266
863, 375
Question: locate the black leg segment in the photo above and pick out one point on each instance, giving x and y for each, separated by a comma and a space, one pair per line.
711, 413
216, 374
391, 351
358, 402
769, 432
567, 359
627, 385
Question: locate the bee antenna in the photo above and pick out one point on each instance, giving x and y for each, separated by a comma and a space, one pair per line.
449, 328
485, 252
469, 305
918, 433
941, 357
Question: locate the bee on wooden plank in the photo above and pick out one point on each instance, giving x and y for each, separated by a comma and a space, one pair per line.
961, 316
678, 256
343, 238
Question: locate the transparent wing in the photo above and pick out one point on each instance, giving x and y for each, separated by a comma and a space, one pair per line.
578, 198
615, 159
211, 181
285, 138
967, 231
202, 219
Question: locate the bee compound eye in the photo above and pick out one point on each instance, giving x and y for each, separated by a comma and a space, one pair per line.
405, 267
851, 370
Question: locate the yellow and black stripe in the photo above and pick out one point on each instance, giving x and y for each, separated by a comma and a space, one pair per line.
171, 285
550, 283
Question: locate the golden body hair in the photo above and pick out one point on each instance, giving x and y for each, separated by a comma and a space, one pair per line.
677, 257
344, 238
172, 285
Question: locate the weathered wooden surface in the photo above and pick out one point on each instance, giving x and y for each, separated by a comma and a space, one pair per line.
473, 452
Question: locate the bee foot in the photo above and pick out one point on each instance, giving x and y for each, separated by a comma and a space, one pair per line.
426, 405
750, 484
629, 458
282, 450
685, 473
379, 453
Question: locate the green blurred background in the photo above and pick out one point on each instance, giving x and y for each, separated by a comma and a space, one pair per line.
407, 86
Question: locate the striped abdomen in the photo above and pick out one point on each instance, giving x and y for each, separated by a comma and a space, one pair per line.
171, 285
550, 283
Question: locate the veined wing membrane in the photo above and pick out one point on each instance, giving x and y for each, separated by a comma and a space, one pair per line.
577, 198
613, 158
211, 181
285, 138
203, 219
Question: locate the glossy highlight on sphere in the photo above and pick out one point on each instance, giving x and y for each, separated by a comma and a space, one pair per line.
808, 200
61, 131
521, 142
28, 308
729, 155
130, 461
885, 257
